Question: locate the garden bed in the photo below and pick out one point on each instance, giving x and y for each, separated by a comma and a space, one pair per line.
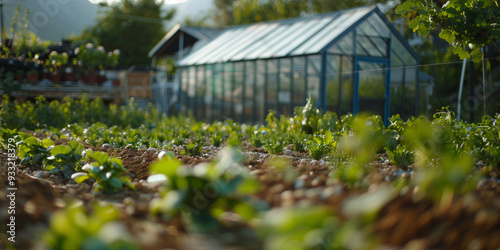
228, 186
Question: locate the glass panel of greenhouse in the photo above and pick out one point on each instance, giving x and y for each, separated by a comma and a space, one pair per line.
351, 61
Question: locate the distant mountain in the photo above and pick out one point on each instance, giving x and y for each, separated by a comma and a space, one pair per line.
52, 20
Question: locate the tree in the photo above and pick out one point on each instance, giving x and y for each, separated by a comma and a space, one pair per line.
325, 6
467, 25
236, 12
132, 26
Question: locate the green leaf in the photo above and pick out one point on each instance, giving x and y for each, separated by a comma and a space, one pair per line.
117, 163
95, 170
37, 158
115, 182
32, 141
80, 177
463, 54
49, 167
167, 166
60, 150
408, 6
448, 36
248, 186
100, 157
414, 23
47, 143
24, 136
76, 146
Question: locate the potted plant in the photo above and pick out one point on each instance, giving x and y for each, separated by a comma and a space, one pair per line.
32, 75
55, 63
19, 75
69, 75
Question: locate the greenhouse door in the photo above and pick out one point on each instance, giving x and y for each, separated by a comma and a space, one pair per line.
371, 88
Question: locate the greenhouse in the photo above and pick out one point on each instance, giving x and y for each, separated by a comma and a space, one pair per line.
350, 61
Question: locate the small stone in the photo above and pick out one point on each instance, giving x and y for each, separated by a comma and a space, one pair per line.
299, 183
106, 145
46, 174
288, 152
406, 175
72, 182
313, 193
84, 187
315, 182
303, 161
136, 158
38, 174
483, 183
314, 162
145, 196
257, 172
299, 193
128, 201
386, 162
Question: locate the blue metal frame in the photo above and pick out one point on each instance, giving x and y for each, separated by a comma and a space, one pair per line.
355, 78
322, 85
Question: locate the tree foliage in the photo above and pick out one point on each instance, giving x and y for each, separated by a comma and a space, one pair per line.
467, 25
236, 12
132, 26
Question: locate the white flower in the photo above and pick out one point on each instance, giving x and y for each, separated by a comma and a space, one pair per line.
89, 46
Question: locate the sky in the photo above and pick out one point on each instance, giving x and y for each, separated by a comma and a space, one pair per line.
53, 20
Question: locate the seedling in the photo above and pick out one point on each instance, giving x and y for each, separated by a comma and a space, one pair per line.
65, 158
106, 171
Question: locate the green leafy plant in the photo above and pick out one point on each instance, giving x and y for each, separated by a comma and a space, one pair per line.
33, 151
201, 194
402, 157
217, 139
193, 149
65, 158
257, 139
97, 228
299, 144
321, 145
274, 146
313, 227
106, 171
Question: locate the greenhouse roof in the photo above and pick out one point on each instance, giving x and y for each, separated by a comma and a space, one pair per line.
169, 44
291, 37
